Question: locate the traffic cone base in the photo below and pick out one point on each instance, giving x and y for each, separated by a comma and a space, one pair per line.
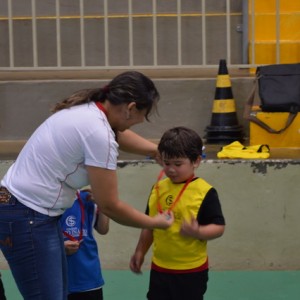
223, 120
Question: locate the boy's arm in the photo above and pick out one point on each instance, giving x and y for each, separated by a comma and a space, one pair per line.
143, 245
102, 223
211, 231
210, 222
201, 232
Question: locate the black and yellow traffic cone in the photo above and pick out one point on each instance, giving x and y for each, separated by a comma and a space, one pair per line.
224, 127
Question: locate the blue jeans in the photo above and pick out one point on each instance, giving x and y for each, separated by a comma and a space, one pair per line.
32, 244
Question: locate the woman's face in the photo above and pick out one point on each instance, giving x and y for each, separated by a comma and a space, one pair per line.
129, 115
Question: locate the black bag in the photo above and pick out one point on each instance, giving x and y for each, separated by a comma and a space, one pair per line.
278, 89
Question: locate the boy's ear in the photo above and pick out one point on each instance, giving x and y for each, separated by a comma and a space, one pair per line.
197, 162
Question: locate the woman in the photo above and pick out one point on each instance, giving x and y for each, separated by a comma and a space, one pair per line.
76, 146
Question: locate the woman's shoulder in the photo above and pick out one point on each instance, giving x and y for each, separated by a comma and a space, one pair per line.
84, 119
81, 111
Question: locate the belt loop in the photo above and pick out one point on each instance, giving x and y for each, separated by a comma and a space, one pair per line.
5, 195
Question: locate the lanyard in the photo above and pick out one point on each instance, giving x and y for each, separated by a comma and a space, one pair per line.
102, 108
81, 205
159, 207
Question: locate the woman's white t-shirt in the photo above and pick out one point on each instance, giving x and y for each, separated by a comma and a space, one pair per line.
51, 166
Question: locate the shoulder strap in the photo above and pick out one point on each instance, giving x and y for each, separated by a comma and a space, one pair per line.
250, 100
251, 116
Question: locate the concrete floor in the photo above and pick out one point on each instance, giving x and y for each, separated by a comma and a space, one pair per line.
223, 285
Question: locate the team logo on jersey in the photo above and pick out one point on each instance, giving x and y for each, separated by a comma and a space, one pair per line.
71, 221
169, 200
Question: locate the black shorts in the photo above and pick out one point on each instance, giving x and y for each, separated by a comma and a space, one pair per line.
173, 286
88, 295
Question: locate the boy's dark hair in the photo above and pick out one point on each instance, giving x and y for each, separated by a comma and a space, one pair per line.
181, 142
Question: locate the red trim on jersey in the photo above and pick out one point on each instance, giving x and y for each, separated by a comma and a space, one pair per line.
164, 270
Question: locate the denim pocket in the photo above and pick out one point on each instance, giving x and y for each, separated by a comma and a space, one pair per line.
5, 236
15, 237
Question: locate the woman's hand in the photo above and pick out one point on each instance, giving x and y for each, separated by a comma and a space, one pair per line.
164, 220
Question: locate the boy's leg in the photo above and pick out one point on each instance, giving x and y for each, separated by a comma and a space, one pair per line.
190, 286
89, 295
166, 286
2, 292
159, 286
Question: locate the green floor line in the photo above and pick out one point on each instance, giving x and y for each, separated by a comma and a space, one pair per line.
223, 285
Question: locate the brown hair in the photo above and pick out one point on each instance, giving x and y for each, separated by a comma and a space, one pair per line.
131, 86
181, 142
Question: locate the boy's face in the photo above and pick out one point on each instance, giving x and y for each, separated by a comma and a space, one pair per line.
179, 169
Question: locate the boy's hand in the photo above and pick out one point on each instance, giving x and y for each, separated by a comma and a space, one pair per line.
71, 247
136, 262
201, 232
190, 228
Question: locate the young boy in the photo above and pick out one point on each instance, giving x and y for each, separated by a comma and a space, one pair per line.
179, 267
2, 291
85, 279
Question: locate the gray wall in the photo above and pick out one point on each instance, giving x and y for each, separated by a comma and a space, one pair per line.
26, 103
260, 201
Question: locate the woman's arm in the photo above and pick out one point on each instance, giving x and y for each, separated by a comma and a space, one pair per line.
105, 193
134, 143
